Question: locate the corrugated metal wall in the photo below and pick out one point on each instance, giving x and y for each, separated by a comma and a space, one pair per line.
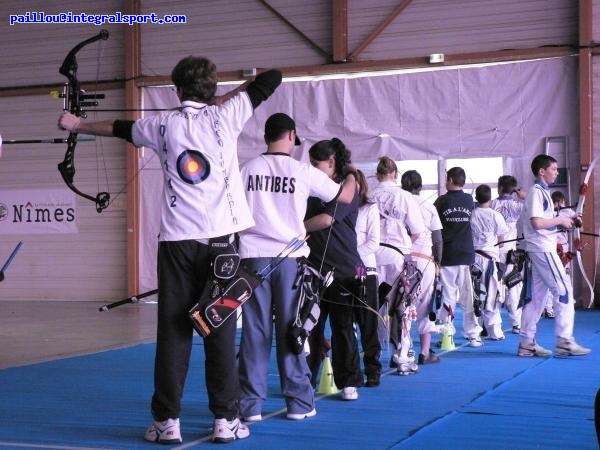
91, 264
244, 33
31, 54
237, 34
463, 26
88, 265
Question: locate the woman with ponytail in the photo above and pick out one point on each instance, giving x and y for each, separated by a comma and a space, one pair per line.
333, 246
401, 225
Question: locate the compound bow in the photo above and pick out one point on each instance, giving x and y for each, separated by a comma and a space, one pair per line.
75, 100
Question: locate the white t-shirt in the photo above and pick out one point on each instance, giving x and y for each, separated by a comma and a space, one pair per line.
203, 195
486, 225
562, 237
398, 211
511, 211
538, 204
432, 222
368, 234
277, 188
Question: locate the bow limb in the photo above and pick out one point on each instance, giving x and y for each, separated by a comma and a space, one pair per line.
67, 171
577, 232
74, 101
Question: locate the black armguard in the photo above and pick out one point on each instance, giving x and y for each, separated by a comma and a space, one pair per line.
122, 129
438, 245
263, 86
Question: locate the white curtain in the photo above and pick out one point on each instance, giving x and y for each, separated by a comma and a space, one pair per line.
473, 111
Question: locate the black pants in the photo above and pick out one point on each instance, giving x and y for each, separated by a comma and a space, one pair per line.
338, 303
597, 415
183, 268
368, 323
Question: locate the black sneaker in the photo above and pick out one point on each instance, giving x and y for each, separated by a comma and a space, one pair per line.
432, 358
373, 379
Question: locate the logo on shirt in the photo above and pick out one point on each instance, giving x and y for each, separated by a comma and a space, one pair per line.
193, 167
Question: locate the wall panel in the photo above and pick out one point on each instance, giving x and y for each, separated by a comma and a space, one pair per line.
462, 26
31, 54
87, 265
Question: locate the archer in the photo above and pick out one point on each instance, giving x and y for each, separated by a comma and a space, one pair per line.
545, 272
197, 147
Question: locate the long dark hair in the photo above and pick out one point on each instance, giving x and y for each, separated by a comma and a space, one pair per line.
363, 188
323, 150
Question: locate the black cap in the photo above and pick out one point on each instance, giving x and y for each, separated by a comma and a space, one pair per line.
278, 123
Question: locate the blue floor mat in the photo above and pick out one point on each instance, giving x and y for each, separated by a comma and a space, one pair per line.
476, 398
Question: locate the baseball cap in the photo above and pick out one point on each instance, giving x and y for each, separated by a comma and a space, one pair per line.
278, 123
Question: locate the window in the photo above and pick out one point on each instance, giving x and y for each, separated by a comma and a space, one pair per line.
427, 168
478, 171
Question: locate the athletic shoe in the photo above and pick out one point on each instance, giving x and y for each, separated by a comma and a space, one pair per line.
516, 329
296, 416
254, 418
165, 432
533, 349
228, 431
408, 368
349, 393
475, 342
432, 358
568, 347
398, 359
373, 379
499, 337
549, 313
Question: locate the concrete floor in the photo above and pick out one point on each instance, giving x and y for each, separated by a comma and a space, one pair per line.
37, 331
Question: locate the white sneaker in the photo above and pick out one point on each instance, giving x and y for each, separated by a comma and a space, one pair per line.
165, 432
254, 418
406, 365
408, 368
228, 431
475, 342
533, 349
568, 347
349, 393
296, 416
399, 359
